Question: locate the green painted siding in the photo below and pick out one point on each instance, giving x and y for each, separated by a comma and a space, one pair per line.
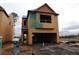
38, 24
32, 20
35, 20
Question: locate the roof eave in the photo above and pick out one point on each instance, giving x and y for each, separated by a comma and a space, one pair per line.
2, 9
56, 14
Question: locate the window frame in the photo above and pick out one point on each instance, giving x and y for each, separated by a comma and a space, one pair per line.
42, 20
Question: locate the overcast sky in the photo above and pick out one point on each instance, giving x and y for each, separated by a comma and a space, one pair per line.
68, 10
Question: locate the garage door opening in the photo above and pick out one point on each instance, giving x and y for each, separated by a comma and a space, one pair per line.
44, 37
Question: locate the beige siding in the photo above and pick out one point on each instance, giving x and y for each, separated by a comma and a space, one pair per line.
0, 22
6, 27
45, 9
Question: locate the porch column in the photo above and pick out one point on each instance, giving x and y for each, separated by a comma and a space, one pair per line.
29, 32
57, 39
29, 38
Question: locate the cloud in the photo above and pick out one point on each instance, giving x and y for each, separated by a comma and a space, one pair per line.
65, 33
68, 10
74, 5
74, 27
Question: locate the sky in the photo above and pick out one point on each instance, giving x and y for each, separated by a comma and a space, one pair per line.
68, 11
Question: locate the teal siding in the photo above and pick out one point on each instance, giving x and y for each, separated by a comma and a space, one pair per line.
38, 24
35, 20
32, 20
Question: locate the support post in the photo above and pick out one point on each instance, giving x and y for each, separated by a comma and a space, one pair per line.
29, 38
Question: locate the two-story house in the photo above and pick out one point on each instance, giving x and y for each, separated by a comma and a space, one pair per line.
6, 26
41, 26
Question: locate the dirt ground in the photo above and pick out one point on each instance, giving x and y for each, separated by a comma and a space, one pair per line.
62, 49
40, 49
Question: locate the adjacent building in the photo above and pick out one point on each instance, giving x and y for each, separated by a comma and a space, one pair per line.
6, 26
40, 26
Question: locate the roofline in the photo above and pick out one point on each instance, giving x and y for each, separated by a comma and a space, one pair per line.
56, 14
47, 6
35, 11
2, 9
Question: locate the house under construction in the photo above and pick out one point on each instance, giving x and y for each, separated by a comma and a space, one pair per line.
6, 26
40, 25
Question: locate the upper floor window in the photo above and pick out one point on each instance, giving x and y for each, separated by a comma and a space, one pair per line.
45, 18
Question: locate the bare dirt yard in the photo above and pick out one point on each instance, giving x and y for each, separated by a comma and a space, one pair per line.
64, 48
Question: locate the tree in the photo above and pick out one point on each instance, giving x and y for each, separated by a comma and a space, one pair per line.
15, 17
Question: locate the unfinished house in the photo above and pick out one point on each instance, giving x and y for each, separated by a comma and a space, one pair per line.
6, 26
40, 26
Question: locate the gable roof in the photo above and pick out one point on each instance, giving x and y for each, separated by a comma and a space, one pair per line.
2, 9
36, 10
46, 6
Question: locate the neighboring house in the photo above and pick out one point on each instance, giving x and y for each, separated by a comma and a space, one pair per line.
6, 26
41, 26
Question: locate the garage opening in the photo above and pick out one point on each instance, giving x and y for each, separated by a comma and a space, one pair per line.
44, 37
